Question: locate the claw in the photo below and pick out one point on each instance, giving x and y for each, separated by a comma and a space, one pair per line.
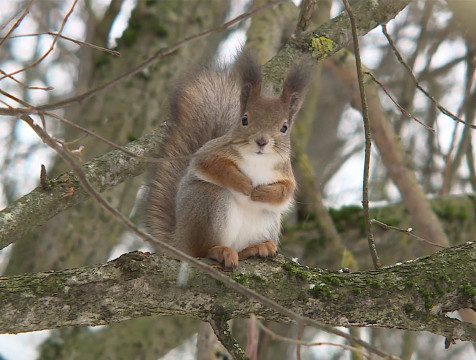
224, 255
266, 249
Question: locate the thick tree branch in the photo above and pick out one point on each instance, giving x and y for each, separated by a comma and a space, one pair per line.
104, 172
414, 295
332, 36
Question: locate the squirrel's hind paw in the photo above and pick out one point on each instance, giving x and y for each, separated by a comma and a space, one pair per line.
225, 255
266, 249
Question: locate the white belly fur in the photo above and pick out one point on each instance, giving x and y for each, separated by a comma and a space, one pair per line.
251, 222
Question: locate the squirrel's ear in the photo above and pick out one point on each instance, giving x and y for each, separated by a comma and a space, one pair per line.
249, 71
295, 85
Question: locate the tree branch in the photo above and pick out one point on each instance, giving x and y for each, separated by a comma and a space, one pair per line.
413, 296
104, 172
332, 36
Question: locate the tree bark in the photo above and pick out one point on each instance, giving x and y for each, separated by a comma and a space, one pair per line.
414, 295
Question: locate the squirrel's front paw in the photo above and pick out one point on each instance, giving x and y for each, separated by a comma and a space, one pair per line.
261, 193
225, 255
266, 249
246, 187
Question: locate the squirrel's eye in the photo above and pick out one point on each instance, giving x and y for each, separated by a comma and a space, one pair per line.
244, 120
284, 128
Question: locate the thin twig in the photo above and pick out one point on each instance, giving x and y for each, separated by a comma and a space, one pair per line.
124, 150
467, 107
24, 85
471, 167
63, 23
309, 344
368, 140
172, 251
158, 55
20, 19
6, 104
402, 109
300, 332
147, 159
222, 332
305, 15
43, 179
408, 232
252, 335
78, 42
417, 84
93, 134
20, 101
18, 11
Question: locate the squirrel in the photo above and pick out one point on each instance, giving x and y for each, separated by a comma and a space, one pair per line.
225, 203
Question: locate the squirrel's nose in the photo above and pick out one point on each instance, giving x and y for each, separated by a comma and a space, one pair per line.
262, 142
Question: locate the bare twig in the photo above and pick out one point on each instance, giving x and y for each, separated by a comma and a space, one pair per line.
305, 15
305, 343
252, 335
417, 84
88, 132
6, 104
403, 110
447, 173
300, 331
222, 331
63, 23
20, 19
79, 42
172, 251
20, 101
471, 167
24, 85
368, 139
468, 108
43, 179
408, 232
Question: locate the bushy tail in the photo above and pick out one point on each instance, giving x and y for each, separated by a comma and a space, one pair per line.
202, 108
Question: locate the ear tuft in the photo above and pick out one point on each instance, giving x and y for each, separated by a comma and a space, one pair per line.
249, 71
295, 85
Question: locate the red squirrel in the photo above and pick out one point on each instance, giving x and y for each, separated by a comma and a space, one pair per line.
225, 203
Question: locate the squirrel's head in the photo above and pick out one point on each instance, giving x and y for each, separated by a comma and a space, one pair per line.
265, 123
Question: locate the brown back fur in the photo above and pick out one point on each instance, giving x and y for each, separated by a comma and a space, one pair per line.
208, 104
202, 108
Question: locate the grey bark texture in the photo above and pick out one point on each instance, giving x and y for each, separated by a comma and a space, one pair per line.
414, 295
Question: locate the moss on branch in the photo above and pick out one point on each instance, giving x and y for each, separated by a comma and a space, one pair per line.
414, 295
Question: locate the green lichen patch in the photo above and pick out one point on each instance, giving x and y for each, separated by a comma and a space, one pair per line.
348, 217
451, 212
241, 279
321, 46
321, 290
160, 30
101, 60
468, 290
332, 280
129, 37
296, 270
131, 137
246, 279
376, 284
409, 308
